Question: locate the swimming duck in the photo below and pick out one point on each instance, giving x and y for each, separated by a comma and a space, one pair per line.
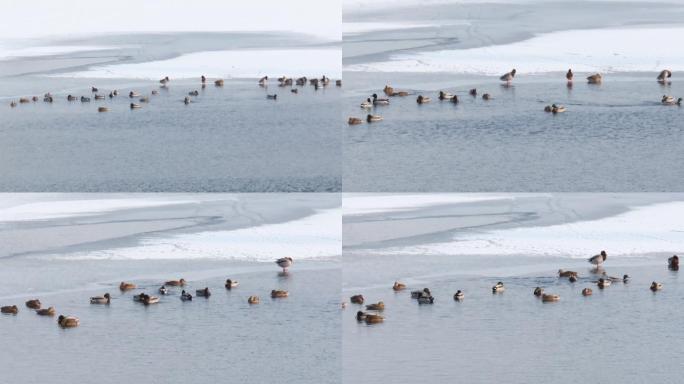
24, 100
106, 299
46, 311
155, 92
357, 299
203, 292
603, 283
33, 304
111, 95
71, 98
284, 263
186, 101
367, 104
508, 77
373, 118
473, 92
48, 94
354, 121
34, 98
379, 306
115, 92
361, 316
538, 291
68, 321
272, 97
147, 300
455, 99
9, 309
569, 75
325, 80
135, 106
133, 94
486, 96
625, 279
673, 263
253, 300
445, 95
424, 292
499, 287
597, 260
85, 99
458, 296
277, 293
185, 296
377, 101
230, 284
562, 273
572, 278
587, 292
557, 108
194, 93
175, 283
664, 75
93, 89
595, 79
48, 99
426, 300
13, 104
547, 298
263, 80
139, 297
294, 90
127, 286
422, 99
164, 80
656, 286
398, 286
99, 97
373, 319
669, 100
144, 100
301, 81
163, 290
218, 83
102, 109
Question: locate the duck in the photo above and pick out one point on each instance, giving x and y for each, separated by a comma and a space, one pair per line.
664, 75
253, 300
34, 98
218, 83
230, 284
459, 295
33, 304
445, 95
473, 92
284, 263
175, 283
24, 100
499, 287
144, 100
325, 80
373, 319
185, 296
455, 99
13, 104
164, 80
85, 99
669, 100
135, 106
9, 309
147, 300
127, 286
379, 306
277, 293
595, 79
102, 109
93, 89
424, 292
572, 278
163, 290
562, 273
50, 311
263, 80
115, 92
139, 297
426, 300
557, 108
68, 321
597, 260
389, 91
71, 98
301, 81
354, 121
203, 79
294, 90
357, 299
99, 97
106, 299
111, 95
373, 118
155, 92
367, 104
538, 291
398, 286
673, 263
377, 101
338, 83
625, 279
548, 298
272, 97
203, 292
569, 75
361, 316
422, 99
343, 305
133, 94
603, 283
508, 77
486, 96
186, 101
48, 99
655, 286
587, 292
194, 93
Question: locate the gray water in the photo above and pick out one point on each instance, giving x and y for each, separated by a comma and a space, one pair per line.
615, 137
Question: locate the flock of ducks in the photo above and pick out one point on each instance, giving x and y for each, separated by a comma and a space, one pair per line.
138, 100
424, 296
507, 79
144, 298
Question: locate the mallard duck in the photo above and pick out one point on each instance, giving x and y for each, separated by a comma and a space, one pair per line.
572, 278
664, 75
367, 104
102, 109
133, 94
99, 97
499, 287
669, 100
9, 309
357, 299
33, 304
550, 298
486, 96
147, 300
557, 108
230, 284
135, 106
398, 286
538, 291
50, 311
218, 83
277, 293
284, 263
115, 92
426, 300
71, 98
422, 99
445, 96
377, 101
85, 99
587, 292
203, 292
595, 79
373, 319
48, 99
164, 80
508, 77
186, 101
361, 316
459, 295
175, 283
424, 292
34, 98
272, 97
373, 118
111, 95
625, 279
127, 286
597, 260
673, 263
185, 296
155, 92
473, 92
253, 300
379, 306
163, 290
569, 75
389, 91
193, 93
562, 273
106, 299
294, 90
139, 297
144, 100
603, 283
13, 104
24, 100
354, 121
68, 321
655, 286
455, 99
